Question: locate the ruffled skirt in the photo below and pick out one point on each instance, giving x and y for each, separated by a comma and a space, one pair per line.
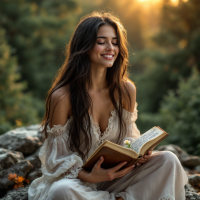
161, 178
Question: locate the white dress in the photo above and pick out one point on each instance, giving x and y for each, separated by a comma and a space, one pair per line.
161, 178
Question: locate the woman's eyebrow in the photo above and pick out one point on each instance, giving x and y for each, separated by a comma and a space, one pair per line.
106, 37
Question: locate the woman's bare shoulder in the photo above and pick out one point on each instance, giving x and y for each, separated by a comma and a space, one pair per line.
60, 106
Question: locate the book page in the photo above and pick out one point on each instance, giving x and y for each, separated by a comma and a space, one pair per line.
149, 135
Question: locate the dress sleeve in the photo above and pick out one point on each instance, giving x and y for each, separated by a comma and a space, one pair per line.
56, 158
132, 132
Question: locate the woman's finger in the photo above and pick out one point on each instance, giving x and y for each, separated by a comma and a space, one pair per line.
99, 162
143, 161
116, 168
123, 172
147, 156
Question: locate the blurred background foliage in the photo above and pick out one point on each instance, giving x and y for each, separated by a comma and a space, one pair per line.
164, 38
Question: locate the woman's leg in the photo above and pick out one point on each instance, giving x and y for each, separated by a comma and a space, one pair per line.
162, 176
75, 189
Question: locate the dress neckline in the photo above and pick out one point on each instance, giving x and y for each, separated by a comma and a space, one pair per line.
100, 137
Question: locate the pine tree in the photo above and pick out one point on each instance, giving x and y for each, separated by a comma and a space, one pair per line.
37, 32
16, 108
176, 54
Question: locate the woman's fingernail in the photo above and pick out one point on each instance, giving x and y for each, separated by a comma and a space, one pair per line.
133, 166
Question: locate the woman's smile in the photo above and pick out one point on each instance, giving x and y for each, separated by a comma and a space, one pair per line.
108, 56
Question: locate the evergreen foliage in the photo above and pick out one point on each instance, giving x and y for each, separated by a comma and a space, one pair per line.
16, 109
37, 32
175, 53
180, 114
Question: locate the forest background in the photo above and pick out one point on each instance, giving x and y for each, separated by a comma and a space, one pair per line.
164, 38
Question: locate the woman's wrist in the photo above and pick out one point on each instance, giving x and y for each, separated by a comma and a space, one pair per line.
85, 176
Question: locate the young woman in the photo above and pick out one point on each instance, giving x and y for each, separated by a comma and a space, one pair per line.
90, 101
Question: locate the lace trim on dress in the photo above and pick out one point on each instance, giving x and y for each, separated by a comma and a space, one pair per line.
168, 197
100, 137
57, 130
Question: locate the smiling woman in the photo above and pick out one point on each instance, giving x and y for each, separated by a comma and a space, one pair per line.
92, 100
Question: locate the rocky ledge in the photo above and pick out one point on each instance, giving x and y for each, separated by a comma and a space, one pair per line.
19, 161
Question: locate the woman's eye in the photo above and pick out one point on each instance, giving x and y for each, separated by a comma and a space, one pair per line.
104, 43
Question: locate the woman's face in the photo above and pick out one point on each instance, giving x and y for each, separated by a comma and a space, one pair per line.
105, 50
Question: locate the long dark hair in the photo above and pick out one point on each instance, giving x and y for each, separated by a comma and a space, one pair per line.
75, 72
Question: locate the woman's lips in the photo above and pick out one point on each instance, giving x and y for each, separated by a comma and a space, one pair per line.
108, 57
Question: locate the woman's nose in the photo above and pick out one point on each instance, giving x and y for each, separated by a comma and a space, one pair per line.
110, 46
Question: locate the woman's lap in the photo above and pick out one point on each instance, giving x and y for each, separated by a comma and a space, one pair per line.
157, 175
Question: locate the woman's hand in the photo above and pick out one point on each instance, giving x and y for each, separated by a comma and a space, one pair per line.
99, 174
145, 158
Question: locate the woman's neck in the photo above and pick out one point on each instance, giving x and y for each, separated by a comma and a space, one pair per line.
98, 79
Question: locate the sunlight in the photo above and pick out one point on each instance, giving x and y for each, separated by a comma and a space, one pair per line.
150, 1
174, 2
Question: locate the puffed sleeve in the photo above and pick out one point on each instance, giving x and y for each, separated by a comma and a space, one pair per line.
56, 158
132, 132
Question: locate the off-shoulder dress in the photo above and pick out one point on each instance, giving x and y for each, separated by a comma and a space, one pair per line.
161, 178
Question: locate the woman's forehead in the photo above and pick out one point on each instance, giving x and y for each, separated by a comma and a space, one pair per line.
106, 31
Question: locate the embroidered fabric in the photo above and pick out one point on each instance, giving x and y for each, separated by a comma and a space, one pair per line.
57, 130
100, 137
168, 197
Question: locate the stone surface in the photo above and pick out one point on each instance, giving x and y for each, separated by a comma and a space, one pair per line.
34, 159
185, 159
26, 140
35, 173
22, 168
191, 193
9, 158
197, 169
194, 180
191, 161
17, 194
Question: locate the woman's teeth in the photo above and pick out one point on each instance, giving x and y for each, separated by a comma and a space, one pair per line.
108, 56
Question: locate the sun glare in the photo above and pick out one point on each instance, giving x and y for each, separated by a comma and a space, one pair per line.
174, 2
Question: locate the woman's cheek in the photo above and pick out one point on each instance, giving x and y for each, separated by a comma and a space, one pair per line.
98, 49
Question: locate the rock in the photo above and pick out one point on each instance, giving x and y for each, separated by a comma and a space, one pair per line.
191, 161
17, 194
197, 169
35, 173
191, 193
194, 180
34, 159
22, 168
185, 159
190, 188
26, 140
9, 158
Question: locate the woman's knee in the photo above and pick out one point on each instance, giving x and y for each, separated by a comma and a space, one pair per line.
62, 190
169, 157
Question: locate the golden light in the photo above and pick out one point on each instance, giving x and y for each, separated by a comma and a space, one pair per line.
175, 2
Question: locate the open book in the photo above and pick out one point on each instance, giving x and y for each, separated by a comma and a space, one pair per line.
114, 154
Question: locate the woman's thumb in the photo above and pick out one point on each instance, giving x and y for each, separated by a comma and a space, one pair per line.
100, 161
